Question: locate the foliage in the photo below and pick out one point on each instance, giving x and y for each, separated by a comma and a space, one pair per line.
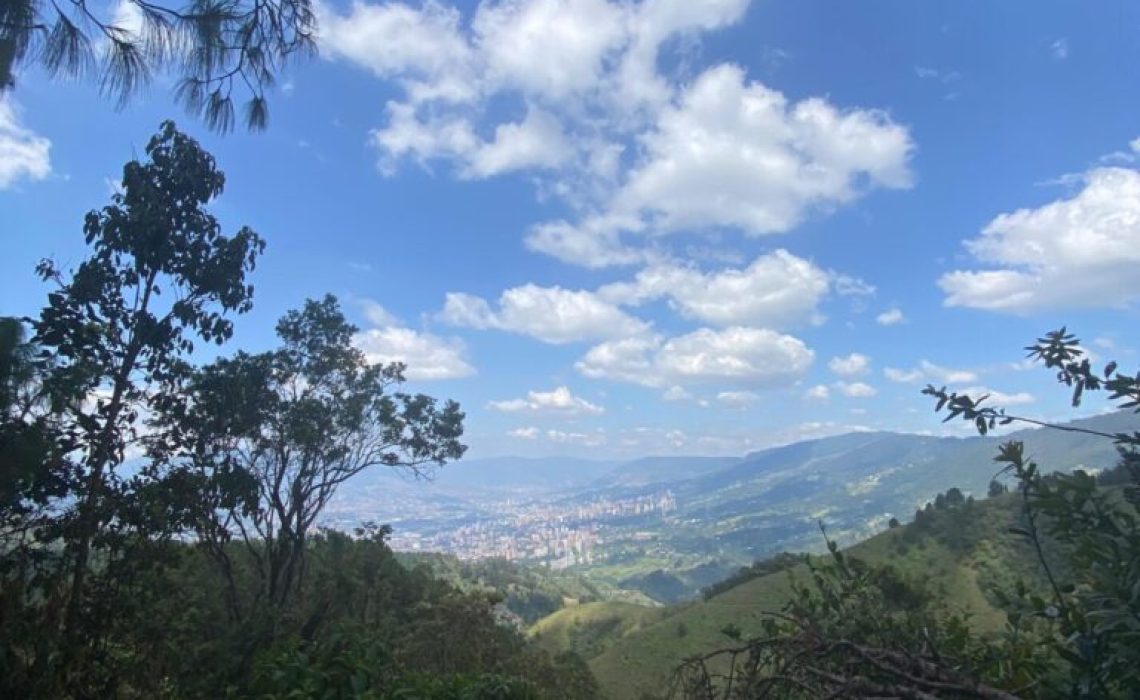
857, 631
271, 437
1094, 610
199, 570
215, 48
109, 348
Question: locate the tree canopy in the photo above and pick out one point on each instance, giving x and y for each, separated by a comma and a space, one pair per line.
219, 51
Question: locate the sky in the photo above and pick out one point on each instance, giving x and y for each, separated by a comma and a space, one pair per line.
615, 229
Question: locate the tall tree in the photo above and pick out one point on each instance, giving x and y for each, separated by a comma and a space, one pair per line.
285, 429
115, 330
216, 47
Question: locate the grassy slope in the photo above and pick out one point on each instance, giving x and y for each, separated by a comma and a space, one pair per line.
959, 554
590, 628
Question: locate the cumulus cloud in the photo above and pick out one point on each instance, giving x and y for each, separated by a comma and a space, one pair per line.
595, 438
738, 355
902, 376
375, 312
890, 317
1079, 252
777, 290
737, 399
928, 371
573, 92
730, 153
819, 392
24, 155
998, 398
557, 401
426, 356
550, 314
676, 393
852, 365
947, 375
735, 153
536, 142
856, 390
527, 433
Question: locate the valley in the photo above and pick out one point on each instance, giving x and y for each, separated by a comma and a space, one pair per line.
668, 527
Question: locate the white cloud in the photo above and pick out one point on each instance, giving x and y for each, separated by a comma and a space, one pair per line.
550, 314
777, 290
395, 40
819, 392
536, 142
998, 399
596, 438
736, 153
736, 355
427, 356
23, 153
375, 312
890, 317
1079, 252
574, 92
946, 375
528, 433
856, 390
902, 376
558, 401
853, 365
928, 371
729, 153
737, 399
594, 242
549, 48
848, 286
676, 393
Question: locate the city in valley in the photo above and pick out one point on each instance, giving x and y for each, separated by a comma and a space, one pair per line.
557, 532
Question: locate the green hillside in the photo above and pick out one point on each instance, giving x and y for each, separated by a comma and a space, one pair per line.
769, 501
529, 593
960, 554
589, 629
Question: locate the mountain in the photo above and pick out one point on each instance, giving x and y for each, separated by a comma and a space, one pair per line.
669, 526
657, 470
770, 500
547, 473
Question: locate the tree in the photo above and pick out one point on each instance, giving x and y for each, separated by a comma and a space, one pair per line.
26, 436
954, 497
893, 523
997, 488
110, 344
215, 46
273, 436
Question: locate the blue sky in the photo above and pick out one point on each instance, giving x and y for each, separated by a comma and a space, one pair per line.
619, 229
